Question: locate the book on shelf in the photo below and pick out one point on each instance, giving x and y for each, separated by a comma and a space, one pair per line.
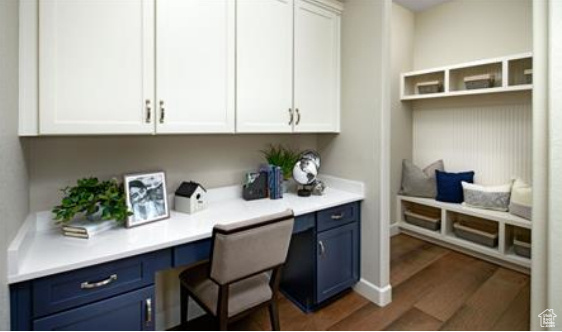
86, 229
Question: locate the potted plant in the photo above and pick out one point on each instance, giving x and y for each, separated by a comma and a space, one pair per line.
284, 157
94, 200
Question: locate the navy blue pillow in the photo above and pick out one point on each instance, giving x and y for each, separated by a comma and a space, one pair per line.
449, 187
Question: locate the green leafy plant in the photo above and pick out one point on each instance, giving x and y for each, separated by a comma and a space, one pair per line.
279, 155
105, 199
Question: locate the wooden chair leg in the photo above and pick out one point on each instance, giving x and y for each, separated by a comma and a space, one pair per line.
274, 315
184, 305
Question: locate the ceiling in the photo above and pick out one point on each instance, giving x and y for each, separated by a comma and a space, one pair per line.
419, 5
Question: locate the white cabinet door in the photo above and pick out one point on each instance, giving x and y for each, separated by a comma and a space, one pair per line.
264, 66
195, 66
317, 68
96, 66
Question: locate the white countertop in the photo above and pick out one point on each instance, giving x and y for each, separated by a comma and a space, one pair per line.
40, 249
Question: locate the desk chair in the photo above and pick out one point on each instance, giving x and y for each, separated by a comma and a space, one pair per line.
244, 271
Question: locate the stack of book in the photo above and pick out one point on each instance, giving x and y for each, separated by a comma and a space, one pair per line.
85, 229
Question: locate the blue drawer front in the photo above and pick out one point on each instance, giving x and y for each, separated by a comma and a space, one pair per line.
127, 312
303, 223
191, 253
67, 290
338, 216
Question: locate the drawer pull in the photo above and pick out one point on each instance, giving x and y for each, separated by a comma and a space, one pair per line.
338, 216
148, 311
89, 285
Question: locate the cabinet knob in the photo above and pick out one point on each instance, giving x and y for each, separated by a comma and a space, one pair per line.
291, 116
298, 117
148, 110
162, 111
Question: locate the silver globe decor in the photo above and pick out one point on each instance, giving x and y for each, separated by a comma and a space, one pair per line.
306, 171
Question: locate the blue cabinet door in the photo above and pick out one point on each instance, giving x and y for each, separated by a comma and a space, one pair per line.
133, 311
337, 260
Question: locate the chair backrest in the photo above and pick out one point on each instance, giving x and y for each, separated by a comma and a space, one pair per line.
243, 249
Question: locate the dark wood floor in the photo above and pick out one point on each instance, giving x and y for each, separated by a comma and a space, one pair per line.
433, 289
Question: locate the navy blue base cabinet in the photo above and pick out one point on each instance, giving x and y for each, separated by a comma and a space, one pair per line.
323, 258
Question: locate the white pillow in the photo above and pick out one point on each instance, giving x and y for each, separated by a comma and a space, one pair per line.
521, 200
487, 197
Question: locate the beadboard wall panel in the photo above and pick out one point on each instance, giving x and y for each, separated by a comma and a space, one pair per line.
491, 135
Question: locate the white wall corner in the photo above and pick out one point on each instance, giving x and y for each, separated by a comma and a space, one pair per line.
377, 295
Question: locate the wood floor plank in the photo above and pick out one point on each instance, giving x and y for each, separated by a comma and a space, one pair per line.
445, 299
405, 267
415, 320
517, 315
372, 317
483, 309
402, 245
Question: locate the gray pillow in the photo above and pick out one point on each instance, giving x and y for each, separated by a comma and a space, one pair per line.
420, 183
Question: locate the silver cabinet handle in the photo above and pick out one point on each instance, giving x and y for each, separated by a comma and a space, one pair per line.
292, 116
298, 117
91, 285
337, 216
148, 110
148, 311
162, 111
322, 248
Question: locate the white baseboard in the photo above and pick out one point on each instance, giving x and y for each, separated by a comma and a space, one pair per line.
394, 229
379, 296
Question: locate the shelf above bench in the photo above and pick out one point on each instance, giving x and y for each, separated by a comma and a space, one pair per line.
509, 73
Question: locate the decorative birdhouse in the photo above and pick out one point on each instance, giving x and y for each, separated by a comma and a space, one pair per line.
190, 197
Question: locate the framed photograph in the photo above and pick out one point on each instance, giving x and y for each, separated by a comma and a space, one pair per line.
146, 198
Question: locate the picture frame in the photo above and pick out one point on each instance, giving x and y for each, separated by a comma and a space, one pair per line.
146, 198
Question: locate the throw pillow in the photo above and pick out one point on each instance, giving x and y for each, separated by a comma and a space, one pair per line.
417, 182
493, 198
449, 187
521, 203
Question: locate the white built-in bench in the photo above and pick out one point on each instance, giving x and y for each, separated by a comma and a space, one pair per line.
503, 254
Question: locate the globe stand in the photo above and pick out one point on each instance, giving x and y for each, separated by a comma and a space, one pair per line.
304, 192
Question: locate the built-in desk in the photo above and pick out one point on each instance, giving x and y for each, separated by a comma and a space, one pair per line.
107, 282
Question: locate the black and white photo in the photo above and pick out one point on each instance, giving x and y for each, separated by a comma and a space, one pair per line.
146, 198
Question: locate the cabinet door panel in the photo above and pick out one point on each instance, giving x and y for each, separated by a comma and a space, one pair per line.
132, 311
96, 66
337, 260
317, 68
264, 65
195, 61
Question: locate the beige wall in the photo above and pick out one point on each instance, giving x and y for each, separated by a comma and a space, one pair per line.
466, 30
402, 55
356, 152
14, 190
212, 160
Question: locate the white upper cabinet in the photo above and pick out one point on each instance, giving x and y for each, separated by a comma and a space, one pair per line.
96, 66
195, 54
264, 66
317, 68
288, 66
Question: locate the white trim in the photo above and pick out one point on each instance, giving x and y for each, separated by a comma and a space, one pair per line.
394, 229
377, 295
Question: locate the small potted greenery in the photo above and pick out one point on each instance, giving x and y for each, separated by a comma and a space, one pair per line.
284, 157
93, 200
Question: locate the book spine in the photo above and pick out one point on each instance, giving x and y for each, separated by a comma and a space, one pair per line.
74, 229
279, 183
271, 180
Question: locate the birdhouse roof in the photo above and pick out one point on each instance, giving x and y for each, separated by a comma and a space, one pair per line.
186, 189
